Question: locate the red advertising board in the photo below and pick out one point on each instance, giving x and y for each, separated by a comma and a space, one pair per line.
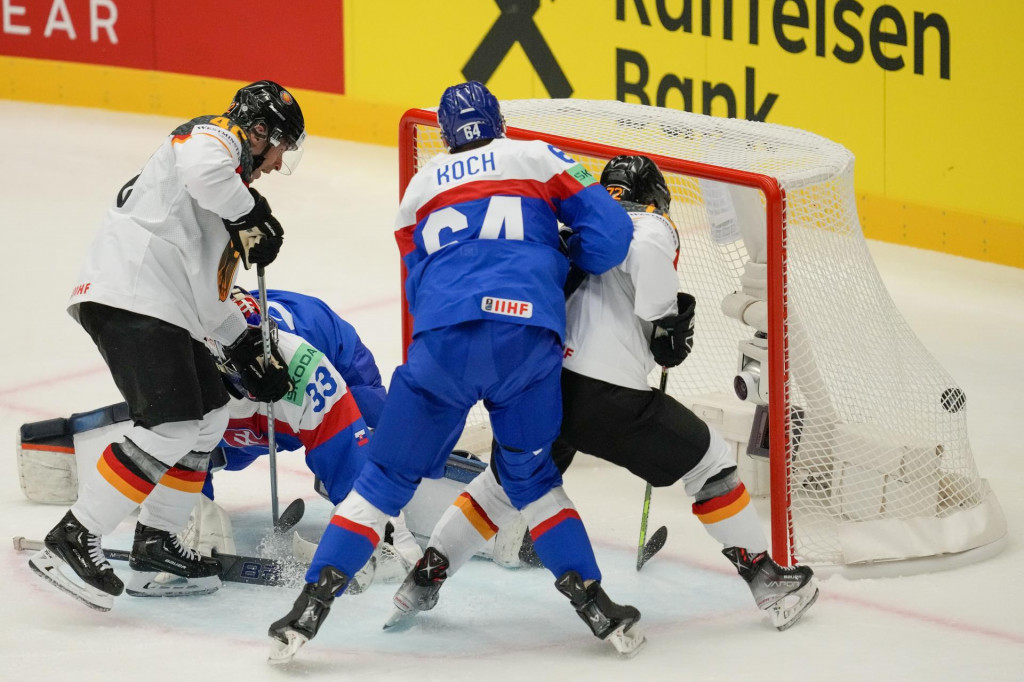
300, 44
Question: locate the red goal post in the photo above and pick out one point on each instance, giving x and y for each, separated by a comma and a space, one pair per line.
853, 464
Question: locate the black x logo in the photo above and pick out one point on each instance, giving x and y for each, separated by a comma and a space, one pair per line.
516, 25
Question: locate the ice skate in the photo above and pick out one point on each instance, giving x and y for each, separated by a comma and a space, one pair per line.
70, 546
785, 593
156, 550
420, 590
607, 620
307, 615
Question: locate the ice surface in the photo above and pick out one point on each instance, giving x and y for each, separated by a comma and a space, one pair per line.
62, 168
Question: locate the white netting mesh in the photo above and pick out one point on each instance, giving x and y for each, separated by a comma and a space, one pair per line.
880, 467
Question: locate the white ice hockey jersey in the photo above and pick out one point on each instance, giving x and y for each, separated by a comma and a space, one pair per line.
162, 249
609, 317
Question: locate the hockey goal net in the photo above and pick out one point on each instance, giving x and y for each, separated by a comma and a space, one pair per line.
862, 445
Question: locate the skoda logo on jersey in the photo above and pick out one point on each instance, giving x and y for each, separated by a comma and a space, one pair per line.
240, 438
471, 131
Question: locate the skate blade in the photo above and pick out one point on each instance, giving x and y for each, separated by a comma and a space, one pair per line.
161, 584
787, 611
284, 652
47, 566
400, 620
628, 642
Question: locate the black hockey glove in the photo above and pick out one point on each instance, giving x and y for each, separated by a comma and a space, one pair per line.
257, 236
264, 384
672, 336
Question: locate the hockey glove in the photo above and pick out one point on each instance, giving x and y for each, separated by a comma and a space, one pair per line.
564, 233
672, 336
257, 236
263, 384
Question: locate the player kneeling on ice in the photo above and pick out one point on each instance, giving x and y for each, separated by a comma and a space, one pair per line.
154, 286
620, 326
485, 290
321, 415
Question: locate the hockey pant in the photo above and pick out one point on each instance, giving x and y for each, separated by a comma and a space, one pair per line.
514, 369
177, 403
647, 432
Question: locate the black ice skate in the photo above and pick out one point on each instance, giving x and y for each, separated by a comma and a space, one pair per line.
161, 550
784, 592
70, 545
420, 590
606, 619
307, 615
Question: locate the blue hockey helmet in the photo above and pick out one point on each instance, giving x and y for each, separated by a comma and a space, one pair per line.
469, 112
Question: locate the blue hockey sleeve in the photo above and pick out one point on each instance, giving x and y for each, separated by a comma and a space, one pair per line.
601, 229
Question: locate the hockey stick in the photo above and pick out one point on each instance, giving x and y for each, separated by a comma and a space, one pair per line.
251, 570
646, 550
271, 439
291, 515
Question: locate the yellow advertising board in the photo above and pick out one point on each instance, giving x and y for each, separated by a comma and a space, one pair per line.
926, 93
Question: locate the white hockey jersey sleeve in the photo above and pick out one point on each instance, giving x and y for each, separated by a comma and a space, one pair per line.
651, 265
207, 162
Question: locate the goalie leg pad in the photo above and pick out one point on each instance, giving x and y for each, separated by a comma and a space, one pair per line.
47, 470
209, 528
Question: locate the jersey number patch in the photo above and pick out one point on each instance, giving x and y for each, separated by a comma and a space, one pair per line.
323, 386
503, 219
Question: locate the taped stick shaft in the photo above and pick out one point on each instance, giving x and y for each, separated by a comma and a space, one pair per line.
640, 559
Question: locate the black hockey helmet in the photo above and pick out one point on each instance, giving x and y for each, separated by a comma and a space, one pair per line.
269, 111
637, 179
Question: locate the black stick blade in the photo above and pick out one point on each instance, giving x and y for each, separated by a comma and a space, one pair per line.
291, 515
653, 546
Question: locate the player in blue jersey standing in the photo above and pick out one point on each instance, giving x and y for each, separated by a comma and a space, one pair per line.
485, 289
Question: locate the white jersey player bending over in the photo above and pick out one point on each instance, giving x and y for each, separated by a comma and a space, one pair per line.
154, 286
620, 326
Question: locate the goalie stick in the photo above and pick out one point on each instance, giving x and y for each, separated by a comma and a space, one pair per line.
250, 570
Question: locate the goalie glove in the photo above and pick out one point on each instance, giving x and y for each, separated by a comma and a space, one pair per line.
672, 336
263, 384
257, 236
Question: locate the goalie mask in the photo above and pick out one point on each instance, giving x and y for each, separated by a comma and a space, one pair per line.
266, 111
469, 112
250, 308
636, 179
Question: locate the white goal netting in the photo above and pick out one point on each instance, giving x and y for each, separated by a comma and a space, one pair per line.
871, 460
